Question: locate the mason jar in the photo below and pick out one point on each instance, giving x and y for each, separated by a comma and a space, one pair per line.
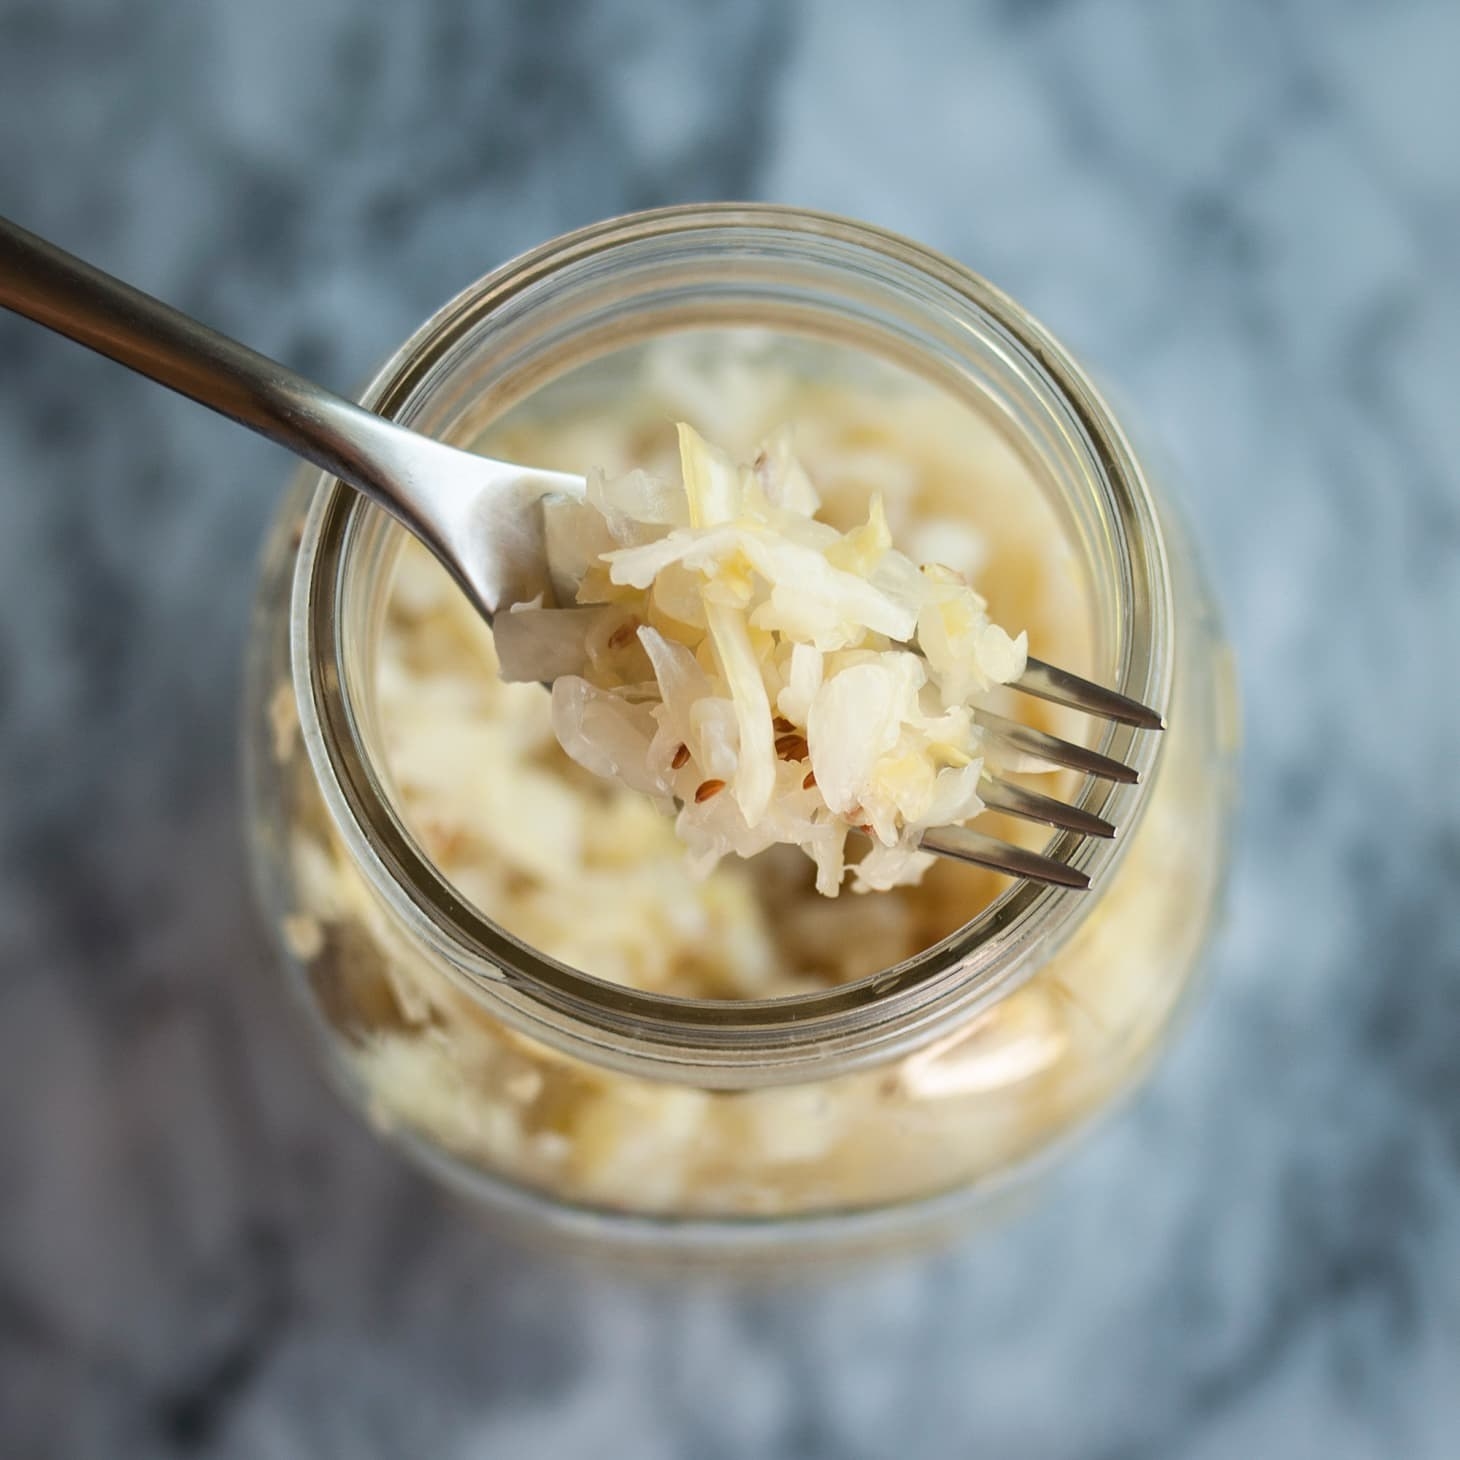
928, 1065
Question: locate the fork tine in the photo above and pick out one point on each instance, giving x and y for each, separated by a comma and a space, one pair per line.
1053, 749
964, 845
1032, 806
1045, 682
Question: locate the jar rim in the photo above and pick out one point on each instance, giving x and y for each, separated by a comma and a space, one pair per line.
729, 1043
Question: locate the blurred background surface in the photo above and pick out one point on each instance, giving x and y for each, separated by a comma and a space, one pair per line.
1246, 215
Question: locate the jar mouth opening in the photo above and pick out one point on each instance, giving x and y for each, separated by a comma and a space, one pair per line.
847, 277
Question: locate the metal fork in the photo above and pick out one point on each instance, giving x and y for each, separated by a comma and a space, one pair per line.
482, 519
1045, 682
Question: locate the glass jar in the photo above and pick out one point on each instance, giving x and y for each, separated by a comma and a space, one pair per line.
842, 1115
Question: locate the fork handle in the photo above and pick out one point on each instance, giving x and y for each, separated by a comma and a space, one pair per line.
46, 284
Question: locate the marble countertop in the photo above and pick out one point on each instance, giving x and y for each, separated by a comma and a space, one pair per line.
1248, 216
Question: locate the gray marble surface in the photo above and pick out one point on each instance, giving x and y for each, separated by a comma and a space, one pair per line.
1248, 215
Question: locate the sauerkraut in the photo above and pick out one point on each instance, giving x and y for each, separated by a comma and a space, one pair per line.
578, 861
782, 682
576, 857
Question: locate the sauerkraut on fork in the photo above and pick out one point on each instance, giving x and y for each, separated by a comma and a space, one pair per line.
770, 679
